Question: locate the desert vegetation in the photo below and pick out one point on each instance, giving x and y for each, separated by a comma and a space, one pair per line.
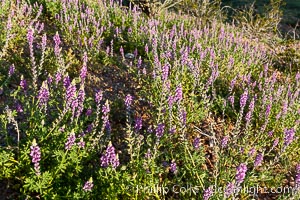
185, 100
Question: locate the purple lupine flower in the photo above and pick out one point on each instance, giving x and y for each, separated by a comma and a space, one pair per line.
231, 100
30, 36
172, 130
241, 173
107, 126
89, 128
49, 80
105, 109
229, 189
270, 133
297, 177
23, 84
44, 41
81, 143
268, 110
165, 72
122, 52
70, 96
243, 99
70, 141
98, 96
128, 101
138, 124
173, 167
224, 142
139, 62
35, 154
160, 130
289, 136
83, 72
43, 95
252, 151
183, 117
250, 112
258, 159
88, 185
285, 107
148, 154
57, 42
170, 101
88, 112
66, 82
178, 94
110, 157
275, 143
57, 77
80, 99
207, 193
11, 70
19, 108
297, 77
196, 143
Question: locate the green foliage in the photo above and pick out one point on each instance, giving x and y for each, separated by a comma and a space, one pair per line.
68, 135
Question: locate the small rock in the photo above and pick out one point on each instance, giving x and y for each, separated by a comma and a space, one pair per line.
129, 55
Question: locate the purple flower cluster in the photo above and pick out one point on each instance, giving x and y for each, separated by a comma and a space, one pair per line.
173, 167
178, 94
43, 95
224, 142
229, 189
66, 81
258, 159
57, 42
183, 114
196, 143
250, 111
83, 71
138, 124
11, 70
23, 84
98, 96
297, 177
70, 96
70, 141
243, 99
110, 157
241, 173
88, 185
128, 101
170, 101
160, 130
252, 151
231, 100
275, 143
30, 36
35, 154
57, 77
81, 143
80, 100
105, 111
165, 72
288, 136
89, 112
208, 193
